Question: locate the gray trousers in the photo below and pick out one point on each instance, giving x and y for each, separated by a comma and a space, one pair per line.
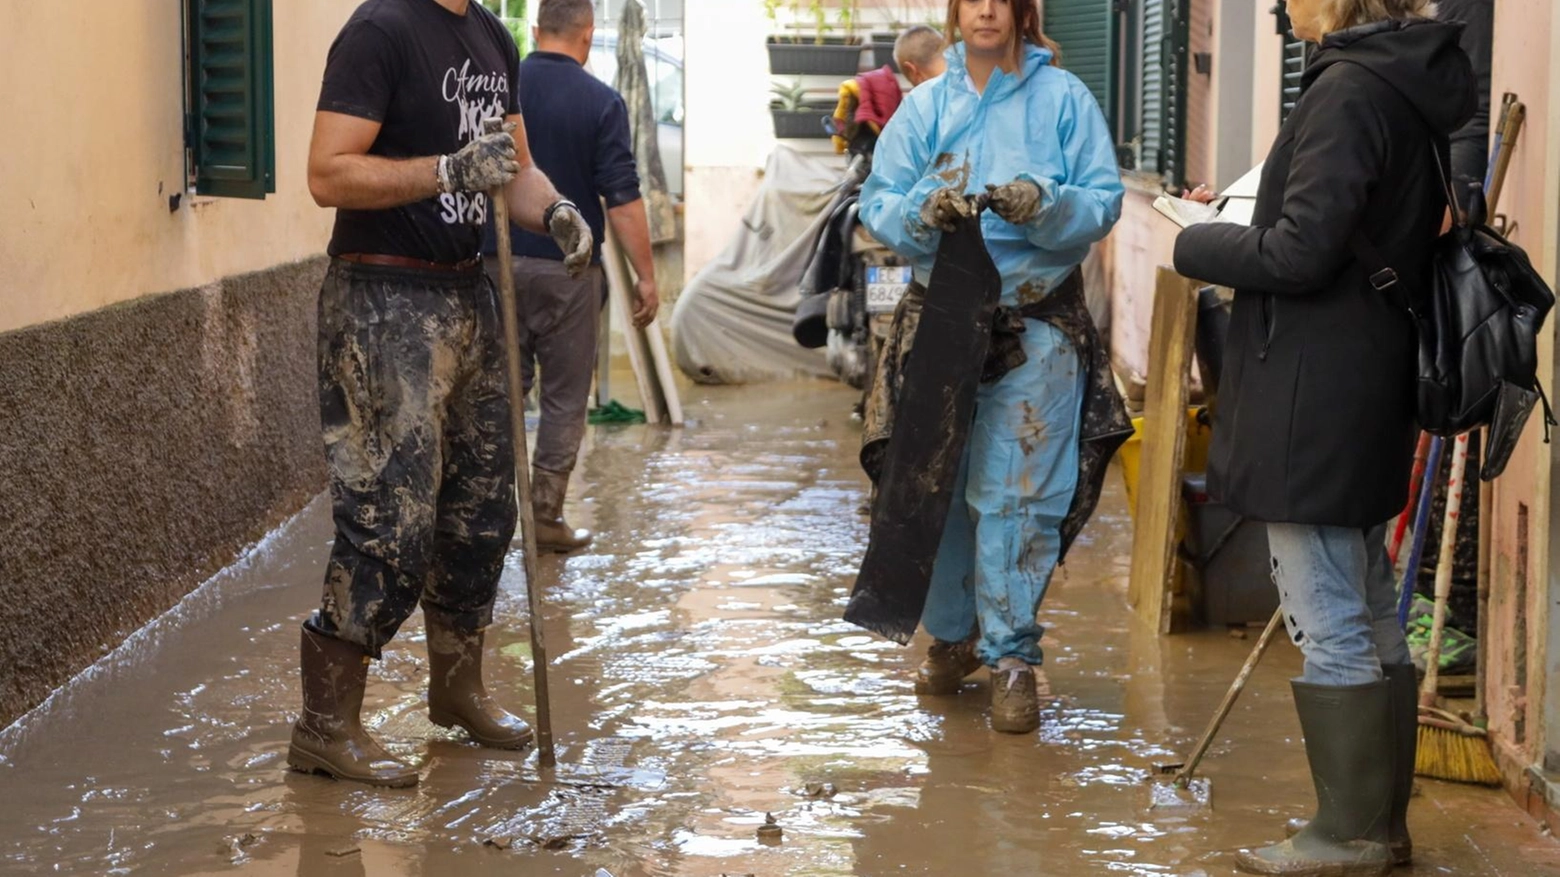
559, 318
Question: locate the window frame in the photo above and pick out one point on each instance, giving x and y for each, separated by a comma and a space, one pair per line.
252, 175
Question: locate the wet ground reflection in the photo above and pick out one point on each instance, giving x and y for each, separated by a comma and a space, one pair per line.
702, 679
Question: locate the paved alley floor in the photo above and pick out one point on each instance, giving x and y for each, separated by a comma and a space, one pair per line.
701, 678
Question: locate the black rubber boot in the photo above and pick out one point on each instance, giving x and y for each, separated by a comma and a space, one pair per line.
1350, 744
1403, 682
329, 737
456, 695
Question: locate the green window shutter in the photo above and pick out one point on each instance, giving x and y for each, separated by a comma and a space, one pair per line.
231, 130
1086, 31
1294, 55
1164, 87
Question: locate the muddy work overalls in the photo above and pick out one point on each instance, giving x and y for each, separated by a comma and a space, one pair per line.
1020, 467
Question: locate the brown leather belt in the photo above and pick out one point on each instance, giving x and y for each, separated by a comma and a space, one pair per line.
409, 262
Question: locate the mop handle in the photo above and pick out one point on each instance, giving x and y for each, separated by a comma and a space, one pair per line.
1443, 570
1184, 776
509, 307
1416, 551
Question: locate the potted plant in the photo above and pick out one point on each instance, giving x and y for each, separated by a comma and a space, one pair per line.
794, 117
826, 54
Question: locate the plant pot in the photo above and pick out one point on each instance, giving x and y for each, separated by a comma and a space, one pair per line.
883, 51
807, 57
803, 124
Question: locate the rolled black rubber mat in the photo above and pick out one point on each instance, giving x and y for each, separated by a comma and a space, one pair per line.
935, 409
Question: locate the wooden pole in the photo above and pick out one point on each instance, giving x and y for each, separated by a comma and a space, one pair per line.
533, 586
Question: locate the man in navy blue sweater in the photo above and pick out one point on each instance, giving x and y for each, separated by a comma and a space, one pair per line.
581, 141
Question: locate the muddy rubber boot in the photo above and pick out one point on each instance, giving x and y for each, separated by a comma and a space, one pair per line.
1015, 708
328, 737
553, 533
456, 695
1404, 685
1349, 742
946, 665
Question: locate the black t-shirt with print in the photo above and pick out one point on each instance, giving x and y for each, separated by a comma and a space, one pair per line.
429, 77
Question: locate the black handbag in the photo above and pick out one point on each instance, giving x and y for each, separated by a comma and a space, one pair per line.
1478, 320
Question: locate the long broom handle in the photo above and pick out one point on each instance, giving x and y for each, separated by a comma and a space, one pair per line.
1421, 452
1184, 776
1514, 113
1416, 551
1495, 180
533, 588
1443, 570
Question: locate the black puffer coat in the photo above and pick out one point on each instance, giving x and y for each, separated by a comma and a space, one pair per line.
1315, 423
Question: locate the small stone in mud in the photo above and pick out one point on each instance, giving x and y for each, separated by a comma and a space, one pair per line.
343, 852
769, 832
498, 843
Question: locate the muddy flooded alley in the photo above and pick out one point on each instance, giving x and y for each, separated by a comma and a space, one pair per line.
702, 678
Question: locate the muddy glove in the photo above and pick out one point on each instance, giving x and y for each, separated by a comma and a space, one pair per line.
572, 235
944, 209
1017, 202
480, 165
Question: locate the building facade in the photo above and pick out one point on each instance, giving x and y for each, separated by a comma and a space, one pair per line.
159, 261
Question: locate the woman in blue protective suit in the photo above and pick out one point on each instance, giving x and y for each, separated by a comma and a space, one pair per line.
1003, 120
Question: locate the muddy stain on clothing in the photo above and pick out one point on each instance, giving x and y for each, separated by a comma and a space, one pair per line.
701, 679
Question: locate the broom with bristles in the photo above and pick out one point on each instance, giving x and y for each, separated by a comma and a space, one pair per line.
1449, 748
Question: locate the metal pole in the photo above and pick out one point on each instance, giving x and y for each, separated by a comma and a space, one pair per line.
533, 586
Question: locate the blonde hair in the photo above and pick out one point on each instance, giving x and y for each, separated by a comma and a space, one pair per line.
1341, 14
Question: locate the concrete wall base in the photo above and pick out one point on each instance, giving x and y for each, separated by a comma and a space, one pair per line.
143, 445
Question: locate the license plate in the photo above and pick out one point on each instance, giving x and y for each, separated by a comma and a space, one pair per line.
886, 285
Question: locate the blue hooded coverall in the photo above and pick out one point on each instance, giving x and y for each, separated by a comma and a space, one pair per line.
1020, 469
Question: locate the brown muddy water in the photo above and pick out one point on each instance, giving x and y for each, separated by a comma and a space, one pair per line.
701, 678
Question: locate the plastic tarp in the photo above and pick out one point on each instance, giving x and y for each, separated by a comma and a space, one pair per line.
633, 83
732, 323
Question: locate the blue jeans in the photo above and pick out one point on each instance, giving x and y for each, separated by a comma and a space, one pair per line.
1339, 599
1016, 483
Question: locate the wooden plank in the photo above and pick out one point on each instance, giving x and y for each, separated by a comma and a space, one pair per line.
618, 298
1164, 440
663, 371
604, 358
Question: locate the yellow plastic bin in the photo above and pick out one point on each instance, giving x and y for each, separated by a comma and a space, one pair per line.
1194, 457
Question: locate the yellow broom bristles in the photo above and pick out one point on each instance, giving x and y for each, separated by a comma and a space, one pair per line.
1460, 758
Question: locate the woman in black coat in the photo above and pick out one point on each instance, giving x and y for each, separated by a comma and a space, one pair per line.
1314, 431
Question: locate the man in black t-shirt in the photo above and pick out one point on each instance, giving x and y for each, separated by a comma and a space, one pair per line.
412, 390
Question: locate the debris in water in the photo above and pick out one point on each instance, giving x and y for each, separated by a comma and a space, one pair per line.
1238, 633
501, 842
770, 832
1170, 797
343, 852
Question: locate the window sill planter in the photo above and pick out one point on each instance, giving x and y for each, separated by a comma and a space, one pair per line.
803, 124
883, 51
809, 57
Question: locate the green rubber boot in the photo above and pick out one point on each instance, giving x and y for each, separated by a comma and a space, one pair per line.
1404, 683
1350, 744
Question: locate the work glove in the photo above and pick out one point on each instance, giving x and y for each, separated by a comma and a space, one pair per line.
482, 164
1017, 202
945, 208
572, 235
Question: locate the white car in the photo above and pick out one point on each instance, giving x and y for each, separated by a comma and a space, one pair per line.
663, 64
